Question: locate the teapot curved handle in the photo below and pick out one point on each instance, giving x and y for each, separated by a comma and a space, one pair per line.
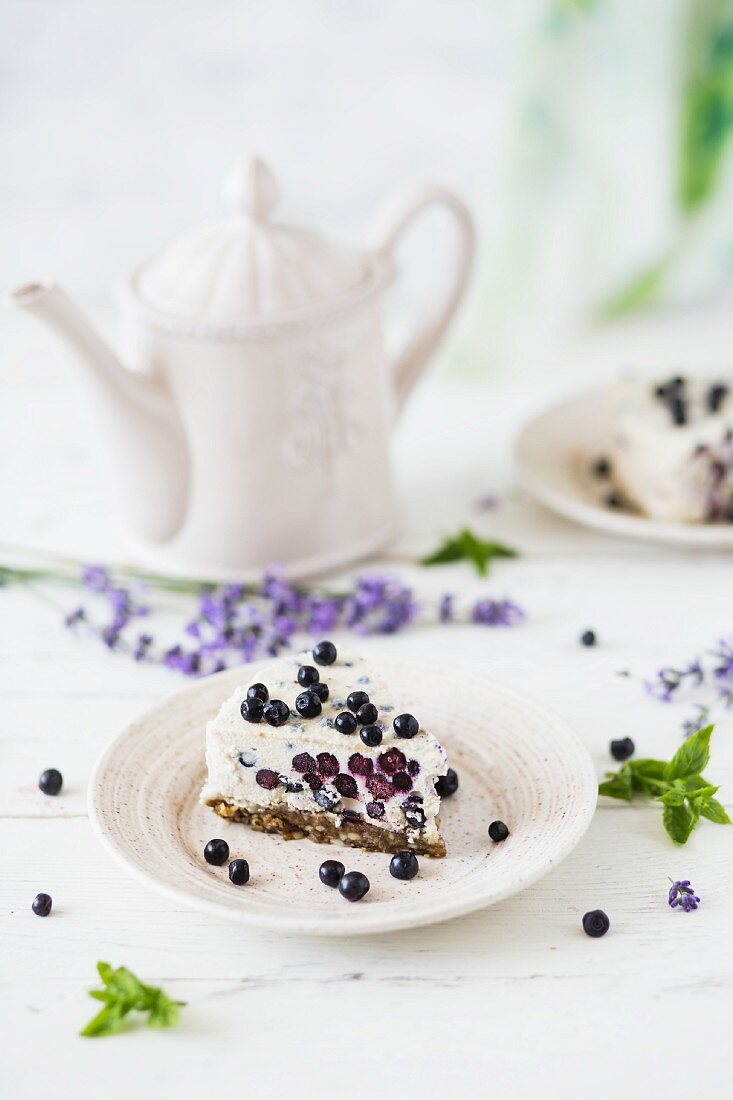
386, 230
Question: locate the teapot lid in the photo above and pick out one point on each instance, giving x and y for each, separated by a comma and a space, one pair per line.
248, 266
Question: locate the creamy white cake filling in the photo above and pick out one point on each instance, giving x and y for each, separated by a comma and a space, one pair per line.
238, 752
671, 470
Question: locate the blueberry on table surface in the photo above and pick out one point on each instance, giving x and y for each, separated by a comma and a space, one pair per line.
276, 712
41, 905
50, 781
356, 699
252, 709
367, 714
331, 872
324, 653
371, 735
446, 785
321, 690
353, 885
308, 705
216, 852
588, 638
596, 923
258, 691
498, 831
308, 675
405, 725
345, 722
404, 866
623, 749
239, 872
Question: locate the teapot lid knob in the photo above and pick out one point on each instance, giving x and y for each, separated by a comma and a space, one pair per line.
250, 190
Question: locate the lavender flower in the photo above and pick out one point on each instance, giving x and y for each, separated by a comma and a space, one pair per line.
710, 676
496, 613
682, 895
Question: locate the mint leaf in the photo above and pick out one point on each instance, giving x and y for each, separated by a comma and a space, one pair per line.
679, 821
647, 777
125, 993
691, 757
465, 546
713, 811
618, 785
673, 797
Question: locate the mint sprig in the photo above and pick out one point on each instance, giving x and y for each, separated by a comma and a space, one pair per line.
678, 784
124, 993
465, 546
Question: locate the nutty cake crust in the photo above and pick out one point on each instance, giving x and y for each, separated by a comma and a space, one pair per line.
296, 824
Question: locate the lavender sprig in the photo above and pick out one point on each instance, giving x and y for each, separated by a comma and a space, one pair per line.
682, 895
710, 677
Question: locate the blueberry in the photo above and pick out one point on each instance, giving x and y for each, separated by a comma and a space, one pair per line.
405, 725
308, 675
596, 923
446, 785
375, 809
601, 468
42, 903
276, 713
367, 714
352, 817
247, 759
258, 691
353, 885
239, 872
267, 779
289, 785
380, 787
328, 765
331, 871
623, 749
50, 782
498, 831
324, 653
304, 762
346, 785
716, 396
321, 690
404, 865
252, 709
360, 765
216, 852
356, 699
391, 761
371, 735
308, 705
414, 814
345, 722
402, 782
314, 782
588, 638
327, 800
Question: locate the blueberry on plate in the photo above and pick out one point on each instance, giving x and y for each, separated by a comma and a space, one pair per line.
41, 905
446, 785
331, 871
308, 705
324, 653
50, 781
371, 735
216, 852
345, 722
258, 691
252, 709
276, 712
623, 749
356, 699
353, 885
239, 872
404, 866
321, 690
308, 675
596, 923
498, 831
406, 725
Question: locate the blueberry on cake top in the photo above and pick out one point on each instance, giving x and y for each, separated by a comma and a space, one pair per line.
671, 452
321, 750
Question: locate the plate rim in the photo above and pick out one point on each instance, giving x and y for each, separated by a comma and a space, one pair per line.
577, 509
575, 829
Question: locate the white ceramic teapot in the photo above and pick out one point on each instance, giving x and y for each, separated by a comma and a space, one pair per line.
256, 427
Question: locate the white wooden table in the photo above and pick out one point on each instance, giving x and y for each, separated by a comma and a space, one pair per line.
514, 1000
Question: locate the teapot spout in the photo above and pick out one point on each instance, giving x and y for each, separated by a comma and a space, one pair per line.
141, 422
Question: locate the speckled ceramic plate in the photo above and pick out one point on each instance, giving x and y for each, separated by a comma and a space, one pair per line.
515, 763
553, 454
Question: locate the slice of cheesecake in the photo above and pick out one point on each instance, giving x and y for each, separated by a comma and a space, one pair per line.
318, 748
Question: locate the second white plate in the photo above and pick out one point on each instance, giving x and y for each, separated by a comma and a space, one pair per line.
515, 763
553, 454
